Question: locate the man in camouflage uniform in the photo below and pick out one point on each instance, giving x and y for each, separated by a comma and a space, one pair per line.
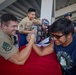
25, 26
8, 51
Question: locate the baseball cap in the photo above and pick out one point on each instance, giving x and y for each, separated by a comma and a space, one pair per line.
68, 14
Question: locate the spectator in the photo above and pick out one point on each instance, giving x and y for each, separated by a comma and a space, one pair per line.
69, 16
26, 24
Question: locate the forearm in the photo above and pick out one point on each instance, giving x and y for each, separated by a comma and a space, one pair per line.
20, 58
43, 51
24, 54
38, 50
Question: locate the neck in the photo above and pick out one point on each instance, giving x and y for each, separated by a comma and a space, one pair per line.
6, 32
29, 18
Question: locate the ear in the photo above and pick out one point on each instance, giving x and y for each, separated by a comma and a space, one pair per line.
3, 25
29, 13
69, 35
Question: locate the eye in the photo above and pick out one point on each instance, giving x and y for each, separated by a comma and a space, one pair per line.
56, 36
14, 26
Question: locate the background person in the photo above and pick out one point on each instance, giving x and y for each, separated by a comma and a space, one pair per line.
25, 26
69, 16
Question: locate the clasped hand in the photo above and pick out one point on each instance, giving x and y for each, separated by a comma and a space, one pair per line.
31, 37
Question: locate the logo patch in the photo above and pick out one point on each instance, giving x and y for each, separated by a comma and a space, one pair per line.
21, 27
6, 46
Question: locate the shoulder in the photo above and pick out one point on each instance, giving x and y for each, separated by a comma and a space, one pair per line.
74, 36
74, 24
24, 19
2, 35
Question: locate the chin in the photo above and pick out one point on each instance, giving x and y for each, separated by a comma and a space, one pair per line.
14, 34
57, 43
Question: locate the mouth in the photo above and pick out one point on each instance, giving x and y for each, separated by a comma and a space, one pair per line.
57, 42
14, 32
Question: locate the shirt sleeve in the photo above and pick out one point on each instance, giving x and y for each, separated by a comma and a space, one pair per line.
22, 25
6, 49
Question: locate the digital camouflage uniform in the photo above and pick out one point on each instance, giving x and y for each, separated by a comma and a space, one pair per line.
25, 24
7, 48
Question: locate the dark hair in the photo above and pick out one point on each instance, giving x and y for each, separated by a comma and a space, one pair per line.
31, 10
62, 25
8, 17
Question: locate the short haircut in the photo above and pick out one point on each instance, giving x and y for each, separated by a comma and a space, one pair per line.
8, 17
31, 10
62, 25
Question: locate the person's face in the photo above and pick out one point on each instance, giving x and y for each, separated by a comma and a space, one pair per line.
11, 28
59, 38
31, 15
68, 17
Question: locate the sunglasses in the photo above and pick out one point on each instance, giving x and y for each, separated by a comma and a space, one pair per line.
56, 36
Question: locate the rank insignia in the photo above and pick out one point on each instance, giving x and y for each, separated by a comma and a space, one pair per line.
21, 26
6, 46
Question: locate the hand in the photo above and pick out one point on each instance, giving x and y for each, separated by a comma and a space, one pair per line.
28, 37
31, 37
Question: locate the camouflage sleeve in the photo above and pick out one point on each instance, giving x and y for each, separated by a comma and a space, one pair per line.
6, 49
22, 25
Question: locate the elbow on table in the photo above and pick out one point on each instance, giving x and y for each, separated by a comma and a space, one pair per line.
20, 62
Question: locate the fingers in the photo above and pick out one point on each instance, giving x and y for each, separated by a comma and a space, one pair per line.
28, 37
31, 37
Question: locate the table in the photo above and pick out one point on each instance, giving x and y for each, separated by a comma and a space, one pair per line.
35, 65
